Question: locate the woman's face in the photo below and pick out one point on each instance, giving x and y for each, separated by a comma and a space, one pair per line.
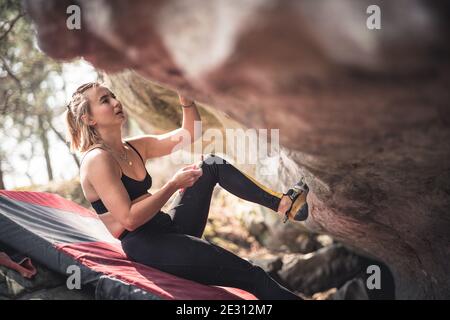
106, 110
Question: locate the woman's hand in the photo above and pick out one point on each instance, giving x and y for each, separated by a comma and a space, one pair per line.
186, 177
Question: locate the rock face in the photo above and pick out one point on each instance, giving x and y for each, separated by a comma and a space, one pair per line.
364, 114
326, 268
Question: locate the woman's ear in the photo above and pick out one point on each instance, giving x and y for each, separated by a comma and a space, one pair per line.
87, 121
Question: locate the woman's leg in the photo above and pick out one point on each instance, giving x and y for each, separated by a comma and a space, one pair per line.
190, 209
198, 260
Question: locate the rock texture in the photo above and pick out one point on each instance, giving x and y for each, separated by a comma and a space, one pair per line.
363, 113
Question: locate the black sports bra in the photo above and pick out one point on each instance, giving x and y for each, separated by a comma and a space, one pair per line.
135, 188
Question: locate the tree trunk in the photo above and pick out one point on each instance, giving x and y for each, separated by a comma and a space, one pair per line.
45, 145
60, 137
2, 184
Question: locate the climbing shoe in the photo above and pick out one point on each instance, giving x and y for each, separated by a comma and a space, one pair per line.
298, 211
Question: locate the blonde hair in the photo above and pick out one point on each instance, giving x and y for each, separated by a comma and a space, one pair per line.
79, 134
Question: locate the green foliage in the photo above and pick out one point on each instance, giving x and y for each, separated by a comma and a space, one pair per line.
29, 82
25, 74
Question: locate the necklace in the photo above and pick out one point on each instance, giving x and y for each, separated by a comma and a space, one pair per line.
123, 156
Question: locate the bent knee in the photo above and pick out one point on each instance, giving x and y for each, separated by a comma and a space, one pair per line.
211, 158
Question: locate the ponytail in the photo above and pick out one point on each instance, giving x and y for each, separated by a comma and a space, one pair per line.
79, 134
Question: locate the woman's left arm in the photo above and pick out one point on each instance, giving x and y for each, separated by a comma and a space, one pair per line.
152, 146
190, 116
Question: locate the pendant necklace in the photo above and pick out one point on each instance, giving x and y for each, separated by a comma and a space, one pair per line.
123, 156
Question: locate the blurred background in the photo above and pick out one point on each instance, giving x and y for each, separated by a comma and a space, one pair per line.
363, 115
34, 154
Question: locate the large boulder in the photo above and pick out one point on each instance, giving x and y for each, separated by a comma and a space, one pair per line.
364, 114
329, 267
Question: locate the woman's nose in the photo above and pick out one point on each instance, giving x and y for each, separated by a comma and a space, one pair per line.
115, 102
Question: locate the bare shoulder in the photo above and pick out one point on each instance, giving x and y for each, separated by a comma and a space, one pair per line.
98, 161
142, 143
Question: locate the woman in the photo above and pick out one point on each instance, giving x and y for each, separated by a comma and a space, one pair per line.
115, 181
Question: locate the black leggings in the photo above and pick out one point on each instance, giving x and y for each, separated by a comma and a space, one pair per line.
171, 242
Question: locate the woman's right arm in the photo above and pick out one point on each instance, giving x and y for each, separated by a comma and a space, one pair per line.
105, 178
